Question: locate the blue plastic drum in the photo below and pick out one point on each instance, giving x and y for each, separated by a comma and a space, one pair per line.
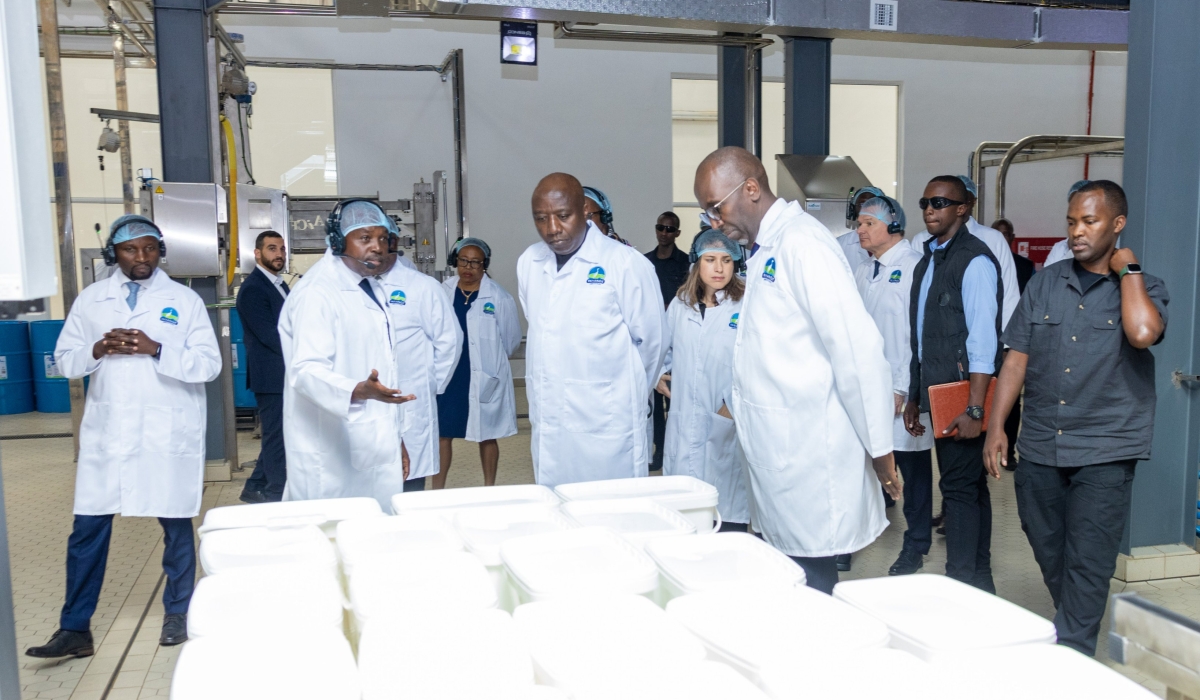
16, 372
50, 386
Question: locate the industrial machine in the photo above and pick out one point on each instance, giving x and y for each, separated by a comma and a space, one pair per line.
821, 184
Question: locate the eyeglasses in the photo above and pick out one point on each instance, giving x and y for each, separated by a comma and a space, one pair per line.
937, 203
713, 213
669, 229
470, 264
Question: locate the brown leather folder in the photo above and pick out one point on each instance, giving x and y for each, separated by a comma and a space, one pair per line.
949, 401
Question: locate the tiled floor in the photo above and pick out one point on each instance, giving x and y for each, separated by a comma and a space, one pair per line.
38, 485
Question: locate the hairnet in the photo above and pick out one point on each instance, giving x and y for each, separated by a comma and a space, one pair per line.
356, 215
711, 241
874, 191
477, 242
131, 226
599, 198
878, 208
970, 185
1076, 187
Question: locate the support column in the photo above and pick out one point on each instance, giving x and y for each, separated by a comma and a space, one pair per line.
1162, 179
739, 98
806, 80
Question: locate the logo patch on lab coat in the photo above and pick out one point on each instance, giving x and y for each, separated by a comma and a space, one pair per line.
769, 270
733, 321
596, 275
489, 308
398, 297
894, 278
170, 316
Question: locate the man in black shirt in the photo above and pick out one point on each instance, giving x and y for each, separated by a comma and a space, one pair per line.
671, 265
1025, 270
1080, 342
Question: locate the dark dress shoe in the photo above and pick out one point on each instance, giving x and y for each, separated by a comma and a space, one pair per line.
1011, 466
937, 521
843, 562
174, 630
64, 643
941, 530
909, 562
252, 497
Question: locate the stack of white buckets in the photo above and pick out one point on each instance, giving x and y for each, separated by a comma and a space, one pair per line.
612, 590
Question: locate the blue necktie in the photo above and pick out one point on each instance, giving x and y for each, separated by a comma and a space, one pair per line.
366, 287
877, 266
753, 250
134, 287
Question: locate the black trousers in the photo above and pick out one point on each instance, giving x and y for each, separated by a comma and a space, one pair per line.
968, 507
820, 572
270, 472
1010, 429
916, 468
661, 405
1074, 518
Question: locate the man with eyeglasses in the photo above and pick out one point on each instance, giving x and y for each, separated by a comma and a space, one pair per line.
956, 316
671, 265
812, 390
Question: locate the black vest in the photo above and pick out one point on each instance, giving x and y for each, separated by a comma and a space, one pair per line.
944, 337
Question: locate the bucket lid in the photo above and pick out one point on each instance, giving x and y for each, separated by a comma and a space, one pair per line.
707, 680
572, 562
289, 513
366, 539
301, 598
1046, 672
451, 499
577, 641
223, 550
937, 613
639, 520
446, 653
867, 673
313, 666
483, 530
391, 589
751, 625
678, 491
703, 563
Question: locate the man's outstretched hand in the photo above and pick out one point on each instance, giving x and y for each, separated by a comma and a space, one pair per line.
373, 390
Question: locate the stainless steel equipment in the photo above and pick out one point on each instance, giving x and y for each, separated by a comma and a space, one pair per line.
424, 215
259, 209
821, 184
189, 215
1158, 642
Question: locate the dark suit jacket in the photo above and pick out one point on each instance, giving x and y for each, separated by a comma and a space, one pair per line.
1025, 270
258, 305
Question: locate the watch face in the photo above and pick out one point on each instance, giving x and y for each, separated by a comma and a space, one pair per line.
1133, 267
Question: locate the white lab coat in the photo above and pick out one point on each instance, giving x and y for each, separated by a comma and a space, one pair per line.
887, 298
494, 333
333, 335
855, 255
141, 444
699, 442
593, 353
812, 392
426, 341
998, 244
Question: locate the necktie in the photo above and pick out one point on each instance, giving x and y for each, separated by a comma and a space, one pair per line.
877, 266
285, 287
134, 287
753, 250
366, 287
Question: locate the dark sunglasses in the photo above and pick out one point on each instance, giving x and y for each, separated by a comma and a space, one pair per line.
937, 202
669, 229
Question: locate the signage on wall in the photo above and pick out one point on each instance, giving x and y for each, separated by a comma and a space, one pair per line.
518, 43
1036, 249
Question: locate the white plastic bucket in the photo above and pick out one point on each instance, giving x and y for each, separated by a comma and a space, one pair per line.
223, 550
483, 530
697, 564
696, 500
286, 599
445, 655
577, 642
936, 617
868, 673
749, 626
324, 513
591, 561
374, 539
448, 501
314, 666
1037, 672
638, 520
706, 680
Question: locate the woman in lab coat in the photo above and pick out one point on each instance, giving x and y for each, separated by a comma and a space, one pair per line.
479, 404
697, 376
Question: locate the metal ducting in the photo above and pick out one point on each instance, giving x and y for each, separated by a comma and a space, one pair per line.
821, 184
1076, 4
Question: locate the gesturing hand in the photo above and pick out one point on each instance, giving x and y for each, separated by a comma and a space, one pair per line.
373, 390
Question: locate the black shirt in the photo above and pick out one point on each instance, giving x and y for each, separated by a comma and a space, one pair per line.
1089, 394
672, 272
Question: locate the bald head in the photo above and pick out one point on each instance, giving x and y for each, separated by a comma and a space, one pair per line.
731, 165
558, 212
732, 187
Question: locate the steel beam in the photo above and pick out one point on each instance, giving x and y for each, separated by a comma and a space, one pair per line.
739, 97
806, 81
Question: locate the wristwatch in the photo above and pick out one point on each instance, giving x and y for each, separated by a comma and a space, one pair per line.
975, 412
1131, 269
158, 353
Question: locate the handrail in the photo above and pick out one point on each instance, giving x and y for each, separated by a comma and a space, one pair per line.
977, 167
1030, 141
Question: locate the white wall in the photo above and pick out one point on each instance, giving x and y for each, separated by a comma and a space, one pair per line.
602, 111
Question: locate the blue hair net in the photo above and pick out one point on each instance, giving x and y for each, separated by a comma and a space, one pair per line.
599, 198
712, 240
1076, 187
875, 191
356, 215
970, 185
878, 208
477, 242
131, 226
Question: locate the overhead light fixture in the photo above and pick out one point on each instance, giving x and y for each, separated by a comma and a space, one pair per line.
518, 43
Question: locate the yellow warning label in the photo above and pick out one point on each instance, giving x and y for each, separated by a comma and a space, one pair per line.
158, 190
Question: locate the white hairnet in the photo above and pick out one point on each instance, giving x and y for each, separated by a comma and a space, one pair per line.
878, 208
356, 215
712, 240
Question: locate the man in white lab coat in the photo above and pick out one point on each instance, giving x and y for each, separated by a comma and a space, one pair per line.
341, 418
855, 255
812, 390
594, 344
149, 347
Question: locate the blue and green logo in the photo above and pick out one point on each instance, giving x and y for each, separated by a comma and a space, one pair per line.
489, 308
895, 277
769, 270
170, 316
596, 275
733, 321
397, 297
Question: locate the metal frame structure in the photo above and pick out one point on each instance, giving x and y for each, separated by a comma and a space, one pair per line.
1158, 642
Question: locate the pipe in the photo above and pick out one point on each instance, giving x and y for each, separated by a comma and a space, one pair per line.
332, 65
751, 115
1029, 141
238, 57
121, 26
564, 30
139, 19
231, 158
460, 142
118, 40
976, 170
1087, 160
